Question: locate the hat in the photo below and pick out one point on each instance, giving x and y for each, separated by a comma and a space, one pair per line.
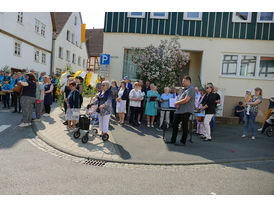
249, 90
126, 78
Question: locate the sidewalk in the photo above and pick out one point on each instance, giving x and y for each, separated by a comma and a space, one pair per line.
52, 131
145, 145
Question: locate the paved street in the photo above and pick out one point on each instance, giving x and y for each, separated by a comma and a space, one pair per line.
29, 166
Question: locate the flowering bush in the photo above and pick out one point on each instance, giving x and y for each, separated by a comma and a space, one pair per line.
161, 65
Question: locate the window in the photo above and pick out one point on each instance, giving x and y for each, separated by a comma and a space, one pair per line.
266, 67
241, 17
43, 58
36, 56
68, 56
84, 63
68, 35
136, 14
58, 71
79, 61
60, 54
37, 26
75, 20
193, 16
17, 49
159, 15
265, 17
248, 65
229, 66
73, 58
20, 17
129, 68
43, 29
72, 38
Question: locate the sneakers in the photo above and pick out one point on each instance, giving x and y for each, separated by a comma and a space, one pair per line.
243, 136
23, 124
260, 129
253, 137
46, 115
148, 125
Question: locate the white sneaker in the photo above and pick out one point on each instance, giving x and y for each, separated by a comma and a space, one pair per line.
23, 124
46, 115
148, 125
260, 129
152, 125
252, 137
243, 136
139, 122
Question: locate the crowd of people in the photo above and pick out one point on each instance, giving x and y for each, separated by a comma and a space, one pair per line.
129, 101
28, 93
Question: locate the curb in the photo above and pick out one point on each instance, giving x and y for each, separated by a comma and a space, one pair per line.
75, 154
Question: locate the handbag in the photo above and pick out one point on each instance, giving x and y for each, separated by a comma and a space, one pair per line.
17, 88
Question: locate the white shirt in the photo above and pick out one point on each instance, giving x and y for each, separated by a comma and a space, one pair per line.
135, 94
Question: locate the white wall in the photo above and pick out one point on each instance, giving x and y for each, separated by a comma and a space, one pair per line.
26, 31
62, 41
114, 44
25, 61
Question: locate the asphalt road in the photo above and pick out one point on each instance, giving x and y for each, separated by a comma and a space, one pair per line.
27, 166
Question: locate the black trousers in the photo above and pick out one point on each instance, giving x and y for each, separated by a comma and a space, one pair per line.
54, 96
127, 106
134, 111
47, 108
178, 118
17, 98
6, 99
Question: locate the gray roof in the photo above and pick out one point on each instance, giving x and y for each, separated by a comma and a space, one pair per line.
94, 41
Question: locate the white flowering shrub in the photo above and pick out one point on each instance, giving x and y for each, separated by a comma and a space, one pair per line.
161, 65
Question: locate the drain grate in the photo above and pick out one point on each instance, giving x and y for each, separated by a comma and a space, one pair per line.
97, 163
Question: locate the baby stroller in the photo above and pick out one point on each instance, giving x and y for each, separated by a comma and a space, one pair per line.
90, 118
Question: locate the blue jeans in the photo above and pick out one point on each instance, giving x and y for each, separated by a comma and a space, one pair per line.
212, 123
114, 106
250, 118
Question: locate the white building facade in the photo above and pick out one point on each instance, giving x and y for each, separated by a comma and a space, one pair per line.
26, 40
67, 52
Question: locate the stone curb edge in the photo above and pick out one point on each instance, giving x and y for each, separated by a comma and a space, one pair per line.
75, 154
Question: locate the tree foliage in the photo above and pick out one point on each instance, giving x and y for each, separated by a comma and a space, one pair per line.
163, 64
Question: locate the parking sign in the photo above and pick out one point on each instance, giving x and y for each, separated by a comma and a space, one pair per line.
104, 59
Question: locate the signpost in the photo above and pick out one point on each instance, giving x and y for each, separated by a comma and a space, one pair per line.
104, 64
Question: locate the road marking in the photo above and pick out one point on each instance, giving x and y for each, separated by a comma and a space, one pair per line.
3, 127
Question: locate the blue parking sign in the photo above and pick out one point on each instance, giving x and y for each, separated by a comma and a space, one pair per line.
104, 59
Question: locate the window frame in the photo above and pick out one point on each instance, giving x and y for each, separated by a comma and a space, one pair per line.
74, 58
37, 25
191, 18
152, 15
20, 17
249, 17
36, 57
17, 48
72, 38
79, 61
129, 15
68, 35
43, 28
262, 21
62, 52
75, 20
45, 55
68, 55
238, 76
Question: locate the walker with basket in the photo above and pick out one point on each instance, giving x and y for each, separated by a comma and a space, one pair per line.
90, 118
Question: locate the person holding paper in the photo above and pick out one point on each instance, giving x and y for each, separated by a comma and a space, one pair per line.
164, 100
152, 103
184, 108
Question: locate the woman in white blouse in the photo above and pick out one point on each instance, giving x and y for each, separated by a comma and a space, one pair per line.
122, 102
135, 97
